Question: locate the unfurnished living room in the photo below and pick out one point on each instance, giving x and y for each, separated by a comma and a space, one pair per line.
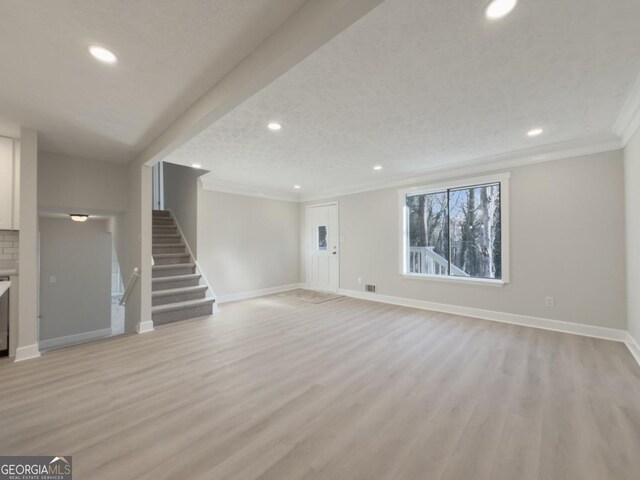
320, 239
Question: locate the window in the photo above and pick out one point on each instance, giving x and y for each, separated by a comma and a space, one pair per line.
322, 237
457, 230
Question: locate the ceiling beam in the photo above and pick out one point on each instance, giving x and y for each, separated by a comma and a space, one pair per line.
306, 30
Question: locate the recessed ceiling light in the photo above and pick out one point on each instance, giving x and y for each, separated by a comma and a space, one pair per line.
275, 126
196, 165
296, 186
79, 217
535, 132
102, 54
378, 167
499, 8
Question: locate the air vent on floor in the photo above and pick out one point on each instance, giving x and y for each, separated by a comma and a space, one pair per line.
370, 288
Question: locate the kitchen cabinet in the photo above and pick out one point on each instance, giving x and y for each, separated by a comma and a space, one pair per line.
9, 193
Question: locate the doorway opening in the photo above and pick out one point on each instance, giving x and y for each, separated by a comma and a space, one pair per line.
79, 281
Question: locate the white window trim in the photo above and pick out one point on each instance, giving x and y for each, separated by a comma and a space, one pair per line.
503, 179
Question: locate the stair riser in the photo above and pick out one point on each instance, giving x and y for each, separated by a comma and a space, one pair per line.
184, 314
178, 297
168, 230
171, 272
169, 249
169, 240
161, 213
162, 221
171, 260
156, 287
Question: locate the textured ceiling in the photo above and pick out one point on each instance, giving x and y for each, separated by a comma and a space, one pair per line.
417, 84
170, 53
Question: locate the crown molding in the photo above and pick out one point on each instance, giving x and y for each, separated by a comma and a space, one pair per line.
214, 184
628, 121
529, 156
557, 151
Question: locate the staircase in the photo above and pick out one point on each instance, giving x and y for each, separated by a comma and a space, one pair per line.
178, 290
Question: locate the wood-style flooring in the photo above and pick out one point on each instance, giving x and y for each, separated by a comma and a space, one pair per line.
275, 388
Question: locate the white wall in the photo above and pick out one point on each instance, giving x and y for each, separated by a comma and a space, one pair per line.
181, 197
632, 203
83, 185
567, 241
135, 236
78, 255
28, 279
247, 243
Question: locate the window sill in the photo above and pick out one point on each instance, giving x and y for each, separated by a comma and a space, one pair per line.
462, 280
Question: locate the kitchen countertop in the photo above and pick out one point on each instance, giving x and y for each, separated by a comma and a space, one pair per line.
8, 271
4, 286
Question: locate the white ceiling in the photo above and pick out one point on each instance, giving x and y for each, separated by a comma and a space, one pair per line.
170, 53
416, 85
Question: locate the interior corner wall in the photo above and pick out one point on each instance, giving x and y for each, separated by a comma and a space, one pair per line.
632, 205
181, 197
75, 277
567, 241
247, 244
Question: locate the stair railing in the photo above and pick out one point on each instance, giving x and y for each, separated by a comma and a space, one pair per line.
132, 280
195, 261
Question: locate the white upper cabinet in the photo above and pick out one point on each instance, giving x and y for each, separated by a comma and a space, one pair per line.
8, 221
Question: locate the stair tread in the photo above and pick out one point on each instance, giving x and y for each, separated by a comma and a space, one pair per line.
181, 305
169, 255
176, 278
173, 265
166, 235
175, 291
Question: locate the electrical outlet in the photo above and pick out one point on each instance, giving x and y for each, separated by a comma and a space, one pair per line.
52, 279
549, 301
359, 280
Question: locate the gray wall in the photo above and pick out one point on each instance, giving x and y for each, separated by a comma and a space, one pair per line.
632, 192
79, 256
80, 184
567, 241
247, 243
181, 197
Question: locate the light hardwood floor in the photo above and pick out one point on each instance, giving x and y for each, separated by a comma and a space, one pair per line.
276, 388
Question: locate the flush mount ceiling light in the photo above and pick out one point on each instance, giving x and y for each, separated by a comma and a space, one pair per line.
297, 187
196, 165
499, 8
274, 126
79, 217
102, 54
378, 167
534, 132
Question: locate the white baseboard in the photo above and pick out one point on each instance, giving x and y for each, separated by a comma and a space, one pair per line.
234, 297
27, 353
524, 320
145, 327
633, 347
60, 342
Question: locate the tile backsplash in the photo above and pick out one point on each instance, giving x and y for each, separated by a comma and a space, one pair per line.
8, 249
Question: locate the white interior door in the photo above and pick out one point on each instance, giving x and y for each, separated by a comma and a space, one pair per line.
322, 247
